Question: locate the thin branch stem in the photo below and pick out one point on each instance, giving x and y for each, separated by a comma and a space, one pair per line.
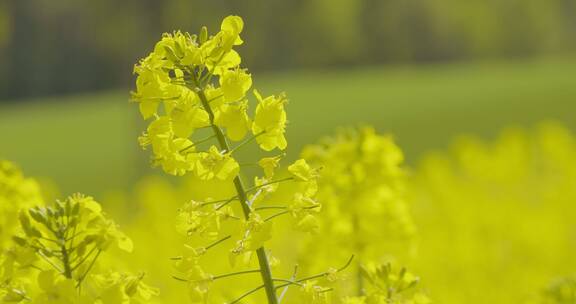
235, 274
288, 211
215, 97
179, 279
268, 183
285, 290
74, 235
277, 215
323, 274
50, 240
85, 258
254, 197
217, 242
271, 207
242, 144
45, 258
89, 268
290, 282
222, 276
247, 294
32, 266
194, 144
228, 200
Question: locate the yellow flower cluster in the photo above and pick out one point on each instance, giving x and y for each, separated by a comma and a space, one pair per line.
385, 286
16, 192
80, 220
362, 190
54, 249
177, 92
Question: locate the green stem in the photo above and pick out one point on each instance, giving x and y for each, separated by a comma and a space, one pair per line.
47, 260
226, 275
359, 248
288, 281
83, 259
271, 207
247, 294
217, 242
292, 278
66, 262
287, 211
277, 215
269, 183
265, 271
234, 274
81, 279
316, 276
242, 144
197, 143
226, 201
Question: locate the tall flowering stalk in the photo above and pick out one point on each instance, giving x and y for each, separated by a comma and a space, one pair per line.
364, 172
194, 94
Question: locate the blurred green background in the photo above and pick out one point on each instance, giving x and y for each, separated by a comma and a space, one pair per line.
50, 47
88, 142
424, 70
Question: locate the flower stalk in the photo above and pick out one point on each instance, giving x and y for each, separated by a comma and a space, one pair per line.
263, 263
211, 89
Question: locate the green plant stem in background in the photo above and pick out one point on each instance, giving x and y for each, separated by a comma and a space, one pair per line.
265, 271
66, 262
358, 248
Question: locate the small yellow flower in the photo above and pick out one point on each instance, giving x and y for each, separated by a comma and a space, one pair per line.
302, 171
216, 164
269, 164
235, 83
234, 119
270, 122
